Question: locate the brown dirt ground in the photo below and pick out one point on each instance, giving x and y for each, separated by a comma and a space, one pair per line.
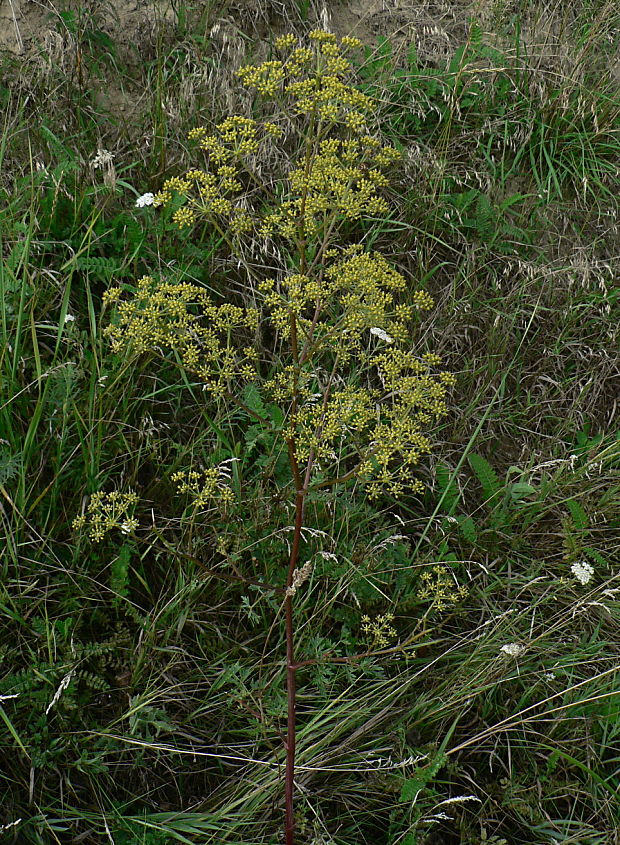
435, 25
36, 36
24, 24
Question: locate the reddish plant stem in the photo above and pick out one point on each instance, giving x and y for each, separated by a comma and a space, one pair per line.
300, 496
291, 668
291, 665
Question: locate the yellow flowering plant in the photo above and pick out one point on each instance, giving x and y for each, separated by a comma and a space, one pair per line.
326, 333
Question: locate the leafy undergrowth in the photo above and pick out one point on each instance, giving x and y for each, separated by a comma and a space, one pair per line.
142, 699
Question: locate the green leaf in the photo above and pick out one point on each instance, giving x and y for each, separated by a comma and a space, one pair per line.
253, 399
9, 464
595, 556
411, 787
448, 489
119, 572
468, 529
520, 490
486, 475
412, 57
422, 777
579, 516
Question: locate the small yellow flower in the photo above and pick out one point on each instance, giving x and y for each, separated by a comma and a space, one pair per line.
379, 631
206, 487
350, 43
107, 511
285, 42
184, 216
440, 588
348, 305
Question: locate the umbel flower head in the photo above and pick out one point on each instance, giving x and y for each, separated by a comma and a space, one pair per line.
107, 511
341, 178
379, 630
314, 78
206, 487
167, 316
583, 571
357, 400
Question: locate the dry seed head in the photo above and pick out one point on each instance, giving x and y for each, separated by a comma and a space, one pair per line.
300, 576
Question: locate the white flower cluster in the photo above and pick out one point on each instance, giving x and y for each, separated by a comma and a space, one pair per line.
512, 649
145, 199
382, 335
582, 571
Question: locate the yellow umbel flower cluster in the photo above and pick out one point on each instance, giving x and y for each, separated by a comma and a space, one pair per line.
380, 432
322, 428
337, 307
379, 630
440, 588
288, 382
206, 487
313, 78
182, 317
218, 191
340, 181
356, 400
363, 286
337, 178
336, 313
107, 511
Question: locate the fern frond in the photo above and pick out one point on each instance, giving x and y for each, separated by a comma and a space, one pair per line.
486, 475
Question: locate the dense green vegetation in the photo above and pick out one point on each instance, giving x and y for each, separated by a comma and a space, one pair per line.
142, 678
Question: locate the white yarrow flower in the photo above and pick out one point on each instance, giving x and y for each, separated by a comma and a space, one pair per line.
512, 649
582, 571
129, 525
145, 199
69, 318
381, 334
